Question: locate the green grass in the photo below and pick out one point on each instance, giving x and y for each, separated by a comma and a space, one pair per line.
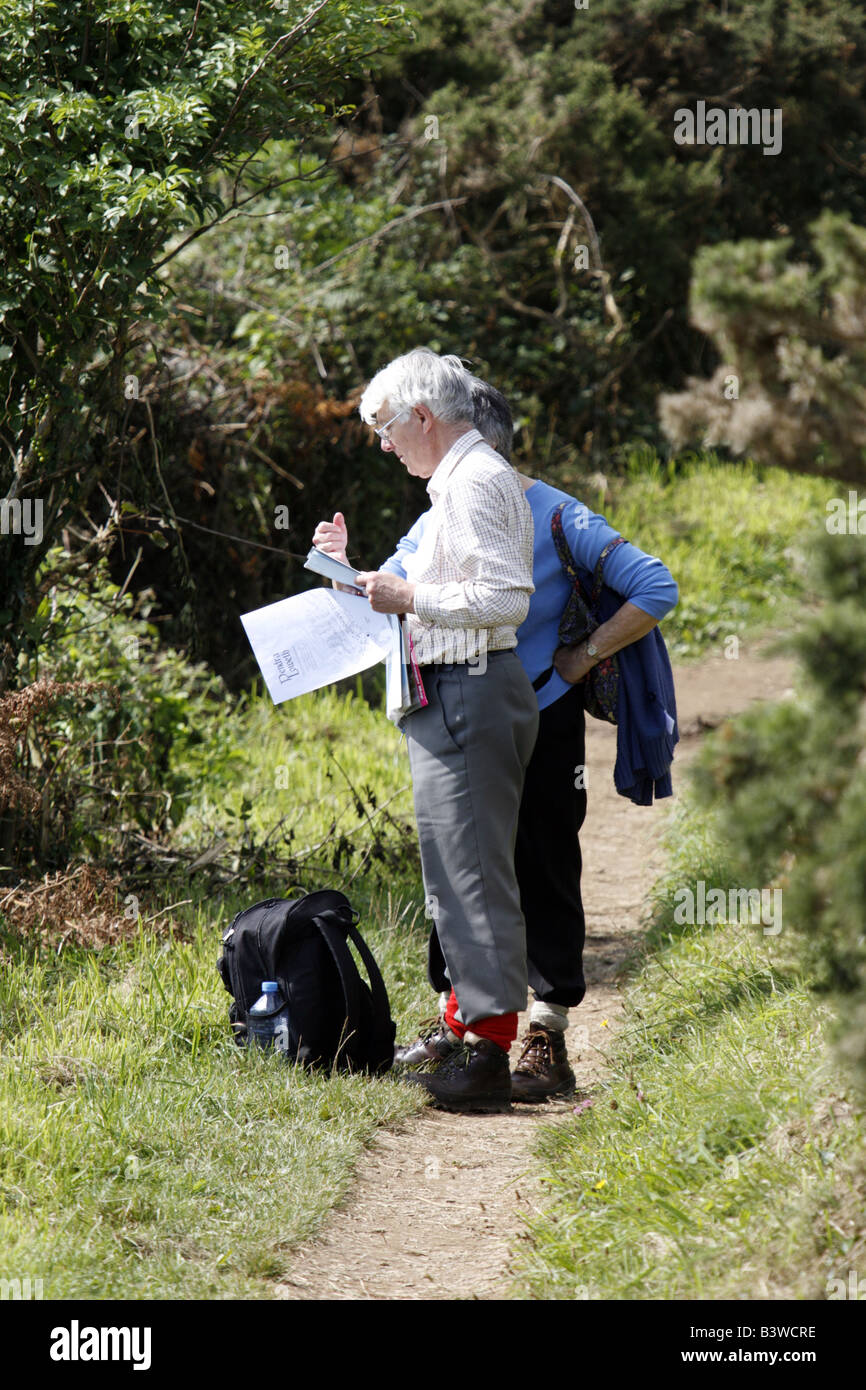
323, 781
142, 1155
722, 1157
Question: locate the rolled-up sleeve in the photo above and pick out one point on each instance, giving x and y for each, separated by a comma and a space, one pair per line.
642, 579
629, 571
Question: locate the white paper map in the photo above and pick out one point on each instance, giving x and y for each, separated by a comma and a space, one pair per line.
313, 639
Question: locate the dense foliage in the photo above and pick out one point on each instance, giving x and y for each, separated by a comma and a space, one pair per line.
506, 183
121, 126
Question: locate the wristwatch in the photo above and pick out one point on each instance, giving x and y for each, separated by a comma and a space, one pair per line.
592, 649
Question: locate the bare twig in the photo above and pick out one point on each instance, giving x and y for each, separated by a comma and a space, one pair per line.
607, 295
260, 453
191, 35
602, 385
147, 920
388, 227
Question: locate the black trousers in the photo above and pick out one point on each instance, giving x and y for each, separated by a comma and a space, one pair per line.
547, 858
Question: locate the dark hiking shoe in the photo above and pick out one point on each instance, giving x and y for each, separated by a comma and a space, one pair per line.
474, 1076
434, 1044
542, 1069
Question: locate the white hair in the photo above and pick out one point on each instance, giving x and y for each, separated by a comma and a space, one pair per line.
420, 377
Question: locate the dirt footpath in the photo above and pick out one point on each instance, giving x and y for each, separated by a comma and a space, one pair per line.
437, 1206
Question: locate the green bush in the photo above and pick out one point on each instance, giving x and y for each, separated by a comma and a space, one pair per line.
789, 784
109, 752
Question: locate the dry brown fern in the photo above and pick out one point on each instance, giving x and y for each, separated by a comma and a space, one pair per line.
18, 709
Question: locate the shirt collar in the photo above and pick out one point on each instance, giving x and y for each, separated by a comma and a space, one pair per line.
438, 480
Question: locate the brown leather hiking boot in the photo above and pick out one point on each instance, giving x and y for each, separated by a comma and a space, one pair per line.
474, 1076
434, 1044
542, 1069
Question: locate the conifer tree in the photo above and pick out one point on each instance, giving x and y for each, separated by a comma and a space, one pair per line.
789, 783
791, 386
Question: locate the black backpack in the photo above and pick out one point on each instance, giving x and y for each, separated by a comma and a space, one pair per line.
335, 1017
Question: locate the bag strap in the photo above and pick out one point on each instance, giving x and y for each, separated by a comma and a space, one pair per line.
598, 578
542, 679
348, 972
563, 549
569, 566
381, 1002
325, 901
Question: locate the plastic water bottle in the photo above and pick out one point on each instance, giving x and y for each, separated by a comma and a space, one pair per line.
268, 1019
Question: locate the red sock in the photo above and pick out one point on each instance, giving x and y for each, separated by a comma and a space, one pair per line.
499, 1028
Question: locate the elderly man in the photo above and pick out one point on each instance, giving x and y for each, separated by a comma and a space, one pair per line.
466, 592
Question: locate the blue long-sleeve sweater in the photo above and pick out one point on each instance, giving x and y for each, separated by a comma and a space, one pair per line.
640, 578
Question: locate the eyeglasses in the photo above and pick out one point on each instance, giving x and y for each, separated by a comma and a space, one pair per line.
382, 430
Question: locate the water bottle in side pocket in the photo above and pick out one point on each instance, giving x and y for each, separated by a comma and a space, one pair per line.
268, 1019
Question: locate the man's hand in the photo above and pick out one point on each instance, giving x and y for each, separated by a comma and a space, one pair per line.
333, 537
387, 592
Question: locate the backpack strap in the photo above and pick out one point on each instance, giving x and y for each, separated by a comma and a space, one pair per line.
349, 978
381, 1003
375, 1050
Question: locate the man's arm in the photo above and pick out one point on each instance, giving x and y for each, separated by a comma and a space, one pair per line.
333, 538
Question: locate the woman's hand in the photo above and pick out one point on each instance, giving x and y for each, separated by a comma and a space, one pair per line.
572, 663
333, 537
628, 624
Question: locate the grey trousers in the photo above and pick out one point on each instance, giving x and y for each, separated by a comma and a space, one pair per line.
468, 750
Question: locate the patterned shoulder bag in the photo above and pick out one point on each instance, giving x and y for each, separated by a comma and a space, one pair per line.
580, 619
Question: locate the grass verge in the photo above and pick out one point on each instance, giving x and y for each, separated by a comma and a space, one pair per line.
144, 1156
723, 1158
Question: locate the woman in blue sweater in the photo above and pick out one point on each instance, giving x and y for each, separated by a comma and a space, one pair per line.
553, 808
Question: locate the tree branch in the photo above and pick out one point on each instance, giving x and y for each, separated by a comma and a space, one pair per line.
607, 295
395, 222
277, 49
